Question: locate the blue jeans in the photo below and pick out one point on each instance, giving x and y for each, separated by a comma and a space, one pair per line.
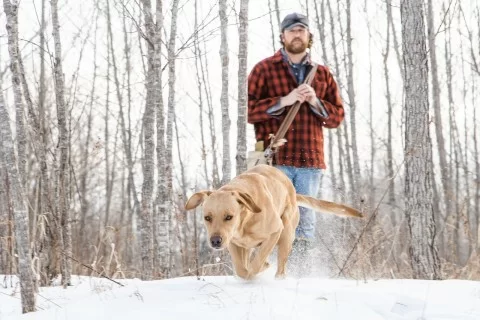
307, 182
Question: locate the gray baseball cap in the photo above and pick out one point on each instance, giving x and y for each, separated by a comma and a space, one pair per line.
292, 20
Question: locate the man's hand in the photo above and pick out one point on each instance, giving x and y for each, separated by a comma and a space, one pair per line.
294, 96
308, 92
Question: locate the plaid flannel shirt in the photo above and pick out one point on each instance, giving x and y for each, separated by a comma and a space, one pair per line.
271, 79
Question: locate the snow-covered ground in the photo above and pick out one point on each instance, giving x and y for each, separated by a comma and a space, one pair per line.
264, 298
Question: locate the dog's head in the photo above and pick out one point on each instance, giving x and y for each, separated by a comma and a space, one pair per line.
223, 213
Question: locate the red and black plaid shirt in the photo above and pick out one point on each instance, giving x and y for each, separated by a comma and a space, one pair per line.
271, 79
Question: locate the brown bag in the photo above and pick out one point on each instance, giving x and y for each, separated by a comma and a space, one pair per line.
257, 156
262, 155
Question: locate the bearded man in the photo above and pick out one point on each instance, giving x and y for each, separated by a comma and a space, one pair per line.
274, 85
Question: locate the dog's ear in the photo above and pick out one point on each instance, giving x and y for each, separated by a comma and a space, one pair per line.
247, 201
197, 199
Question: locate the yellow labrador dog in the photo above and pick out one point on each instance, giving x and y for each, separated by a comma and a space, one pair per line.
257, 209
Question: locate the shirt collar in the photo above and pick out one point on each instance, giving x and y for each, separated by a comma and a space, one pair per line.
284, 57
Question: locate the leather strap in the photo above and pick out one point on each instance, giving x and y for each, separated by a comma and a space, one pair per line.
276, 140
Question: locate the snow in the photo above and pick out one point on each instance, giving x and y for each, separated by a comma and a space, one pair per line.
228, 297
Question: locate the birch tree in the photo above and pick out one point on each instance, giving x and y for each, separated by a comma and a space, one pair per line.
418, 150
6, 254
370, 106
388, 95
350, 172
4, 221
321, 22
63, 210
172, 80
125, 130
272, 28
442, 156
242, 88
11, 11
216, 181
224, 58
146, 212
351, 98
17, 201
341, 184
201, 104
44, 241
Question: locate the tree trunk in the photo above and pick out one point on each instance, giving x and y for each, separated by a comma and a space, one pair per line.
4, 220
20, 214
211, 120
106, 134
418, 150
321, 22
350, 173
353, 108
468, 223
146, 212
162, 216
396, 45
476, 155
198, 67
63, 213
371, 174
45, 240
445, 179
390, 170
11, 11
224, 58
340, 191
277, 11
242, 88
6, 254
172, 58
272, 28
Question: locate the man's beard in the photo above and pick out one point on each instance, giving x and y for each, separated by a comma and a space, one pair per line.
296, 46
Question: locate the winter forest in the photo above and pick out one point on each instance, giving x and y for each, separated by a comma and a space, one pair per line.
112, 112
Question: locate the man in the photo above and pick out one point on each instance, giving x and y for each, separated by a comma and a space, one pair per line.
274, 85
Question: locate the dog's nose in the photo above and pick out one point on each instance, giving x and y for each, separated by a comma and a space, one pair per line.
216, 241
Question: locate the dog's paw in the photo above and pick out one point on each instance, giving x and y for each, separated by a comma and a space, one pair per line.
280, 276
265, 266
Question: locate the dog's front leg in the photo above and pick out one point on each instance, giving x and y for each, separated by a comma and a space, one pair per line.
240, 257
258, 263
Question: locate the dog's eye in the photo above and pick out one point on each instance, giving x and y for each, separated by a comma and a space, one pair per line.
208, 218
229, 217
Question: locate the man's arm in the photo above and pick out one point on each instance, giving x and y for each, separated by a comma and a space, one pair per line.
318, 108
333, 103
330, 108
258, 106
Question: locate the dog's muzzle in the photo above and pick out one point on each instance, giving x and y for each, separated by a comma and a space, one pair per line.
216, 242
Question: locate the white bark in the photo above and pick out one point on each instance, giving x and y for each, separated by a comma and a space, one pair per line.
63, 213
11, 11
390, 159
162, 216
171, 55
242, 88
146, 211
418, 150
200, 85
446, 182
43, 242
351, 98
224, 94
341, 184
20, 214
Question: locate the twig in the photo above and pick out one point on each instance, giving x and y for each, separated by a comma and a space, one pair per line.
92, 269
375, 212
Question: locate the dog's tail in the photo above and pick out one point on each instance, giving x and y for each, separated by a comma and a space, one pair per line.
327, 207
